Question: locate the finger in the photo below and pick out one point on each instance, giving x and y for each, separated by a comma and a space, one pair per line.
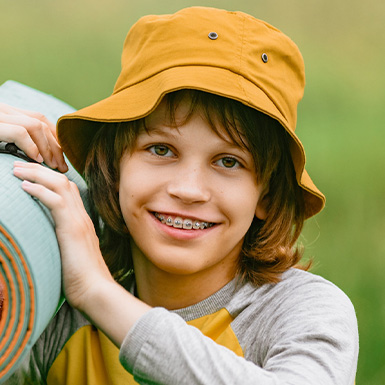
41, 129
57, 160
50, 187
57, 154
57, 193
39, 133
49, 198
44, 119
54, 153
36, 173
17, 134
7, 109
11, 110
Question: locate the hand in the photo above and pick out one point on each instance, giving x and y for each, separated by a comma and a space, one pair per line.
33, 133
83, 266
87, 282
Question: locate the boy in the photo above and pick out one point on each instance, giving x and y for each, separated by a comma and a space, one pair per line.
198, 177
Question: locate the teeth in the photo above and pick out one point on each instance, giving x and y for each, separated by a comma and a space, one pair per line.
187, 224
180, 223
196, 225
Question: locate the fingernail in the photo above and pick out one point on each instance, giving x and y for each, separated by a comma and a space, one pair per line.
39, 158
25, 184
54, 163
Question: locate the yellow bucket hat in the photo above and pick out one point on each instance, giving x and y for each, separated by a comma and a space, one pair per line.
231, 54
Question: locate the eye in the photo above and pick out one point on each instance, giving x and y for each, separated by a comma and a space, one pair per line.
161, 150
228, 162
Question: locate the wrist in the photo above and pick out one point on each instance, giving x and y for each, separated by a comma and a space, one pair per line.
96, 296
112, 309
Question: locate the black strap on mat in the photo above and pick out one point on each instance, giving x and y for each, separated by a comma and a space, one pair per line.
12, 149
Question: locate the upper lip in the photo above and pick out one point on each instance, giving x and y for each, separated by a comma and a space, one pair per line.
184, 216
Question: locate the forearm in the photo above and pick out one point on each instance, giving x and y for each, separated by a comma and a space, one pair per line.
161, 348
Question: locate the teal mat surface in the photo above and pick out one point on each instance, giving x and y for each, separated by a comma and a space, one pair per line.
30, 270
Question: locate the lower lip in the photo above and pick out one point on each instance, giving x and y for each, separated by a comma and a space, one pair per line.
181, 234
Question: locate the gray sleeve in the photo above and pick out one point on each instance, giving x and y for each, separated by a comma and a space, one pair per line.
301, 339
309, 334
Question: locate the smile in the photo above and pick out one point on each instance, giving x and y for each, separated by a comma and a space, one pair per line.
183, 223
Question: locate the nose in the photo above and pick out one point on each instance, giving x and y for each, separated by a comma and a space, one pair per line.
190, 185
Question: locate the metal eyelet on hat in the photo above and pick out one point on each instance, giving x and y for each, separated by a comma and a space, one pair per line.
265, 58
213, 35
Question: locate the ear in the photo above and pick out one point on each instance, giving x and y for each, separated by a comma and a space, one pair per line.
261, 209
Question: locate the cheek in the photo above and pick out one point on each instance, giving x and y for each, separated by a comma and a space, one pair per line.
240, 211
126, 198
135, 192
243, 198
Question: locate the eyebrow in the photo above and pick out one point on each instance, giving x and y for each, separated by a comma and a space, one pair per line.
157, 129
165, 131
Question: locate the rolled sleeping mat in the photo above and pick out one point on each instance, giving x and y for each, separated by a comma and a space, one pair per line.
30, 268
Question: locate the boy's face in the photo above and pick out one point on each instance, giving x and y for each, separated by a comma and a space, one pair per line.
188, 198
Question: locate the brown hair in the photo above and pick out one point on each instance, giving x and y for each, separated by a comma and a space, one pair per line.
269, 245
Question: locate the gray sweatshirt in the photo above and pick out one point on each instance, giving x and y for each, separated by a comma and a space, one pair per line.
301, 331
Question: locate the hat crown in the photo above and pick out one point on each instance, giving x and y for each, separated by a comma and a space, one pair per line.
159, 42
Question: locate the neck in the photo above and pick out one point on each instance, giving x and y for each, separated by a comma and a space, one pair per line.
175, 292
159, 288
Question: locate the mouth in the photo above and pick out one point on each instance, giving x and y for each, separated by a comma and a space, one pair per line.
183, 223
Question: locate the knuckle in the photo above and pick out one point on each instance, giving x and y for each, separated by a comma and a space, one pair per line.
60, 203
35, 125
22, 133
57, 181
39, 116
73, 186
64, 181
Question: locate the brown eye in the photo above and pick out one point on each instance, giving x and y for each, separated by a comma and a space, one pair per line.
161, 150
228, 162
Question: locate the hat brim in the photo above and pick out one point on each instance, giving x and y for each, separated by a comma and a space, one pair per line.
76, 130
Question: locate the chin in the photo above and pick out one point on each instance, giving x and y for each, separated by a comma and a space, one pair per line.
182, 269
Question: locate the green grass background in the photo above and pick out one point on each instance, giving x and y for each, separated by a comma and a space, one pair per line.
71, 49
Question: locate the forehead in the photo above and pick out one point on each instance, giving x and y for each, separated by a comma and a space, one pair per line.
177, 109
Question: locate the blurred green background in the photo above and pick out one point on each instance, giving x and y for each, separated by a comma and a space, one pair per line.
71, 49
